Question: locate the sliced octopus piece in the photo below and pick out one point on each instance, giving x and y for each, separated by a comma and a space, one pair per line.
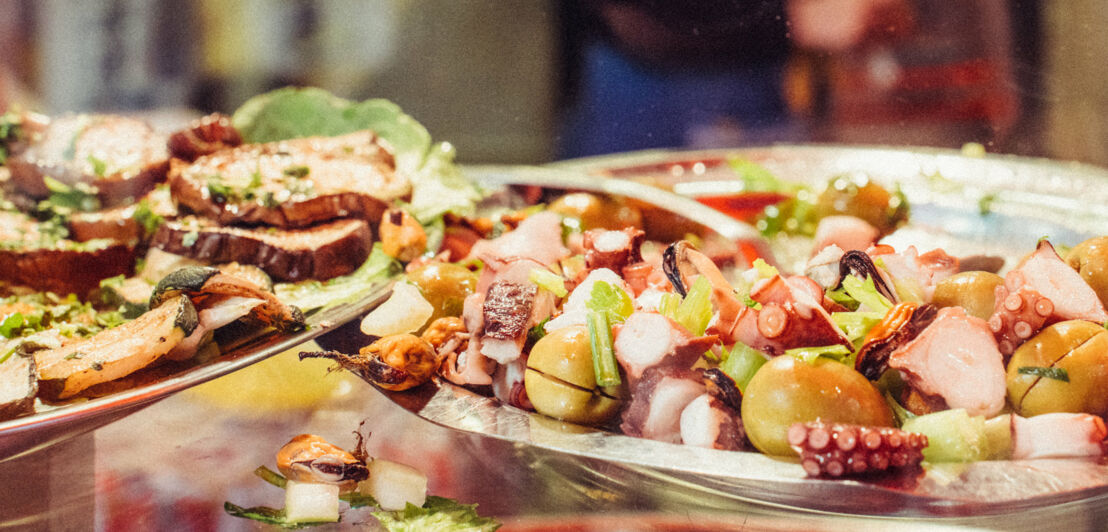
657, 401
1072, 298
956, 358
1058, 435
708, 422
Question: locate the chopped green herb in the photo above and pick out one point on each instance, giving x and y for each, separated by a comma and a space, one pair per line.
256, 179
147, 218
11, 325
76, 355
80, 197
295, 171
1058, 374
749, 301
985, 203
99, 166
97, 366
219, 192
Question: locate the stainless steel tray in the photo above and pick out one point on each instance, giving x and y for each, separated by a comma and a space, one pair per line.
1027, 198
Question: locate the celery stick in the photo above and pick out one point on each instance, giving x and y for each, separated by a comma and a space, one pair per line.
742, 363
953, 436
603, 356
549, 281
695, 311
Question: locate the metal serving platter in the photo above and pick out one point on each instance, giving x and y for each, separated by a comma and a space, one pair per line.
51, 425
1027, 199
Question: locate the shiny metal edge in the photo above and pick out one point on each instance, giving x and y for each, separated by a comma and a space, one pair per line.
24, 435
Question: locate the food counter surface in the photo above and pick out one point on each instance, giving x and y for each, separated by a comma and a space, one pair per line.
174, 464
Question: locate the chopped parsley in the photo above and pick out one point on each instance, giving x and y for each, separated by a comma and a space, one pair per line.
99, 166
299, 171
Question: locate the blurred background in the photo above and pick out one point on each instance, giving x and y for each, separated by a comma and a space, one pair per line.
529, 81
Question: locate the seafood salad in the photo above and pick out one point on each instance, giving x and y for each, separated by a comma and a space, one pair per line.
864, 359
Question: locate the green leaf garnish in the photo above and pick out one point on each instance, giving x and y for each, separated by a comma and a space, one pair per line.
1058, 374
311, 295
865, 293
439, 514
856, 325
99, 166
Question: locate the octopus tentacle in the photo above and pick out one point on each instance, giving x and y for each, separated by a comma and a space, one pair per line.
835, 450
1020, 311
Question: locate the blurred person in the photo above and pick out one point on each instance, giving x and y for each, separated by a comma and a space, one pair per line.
700, 73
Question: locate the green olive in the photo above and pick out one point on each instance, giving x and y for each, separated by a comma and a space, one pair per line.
1090, 259
974, 291
1080, 349
595, 212
445, 286
561, 383
787, 390
856, 195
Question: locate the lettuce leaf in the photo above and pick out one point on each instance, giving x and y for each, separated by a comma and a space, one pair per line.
294, 112
438, 514
311, 295
438, 186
